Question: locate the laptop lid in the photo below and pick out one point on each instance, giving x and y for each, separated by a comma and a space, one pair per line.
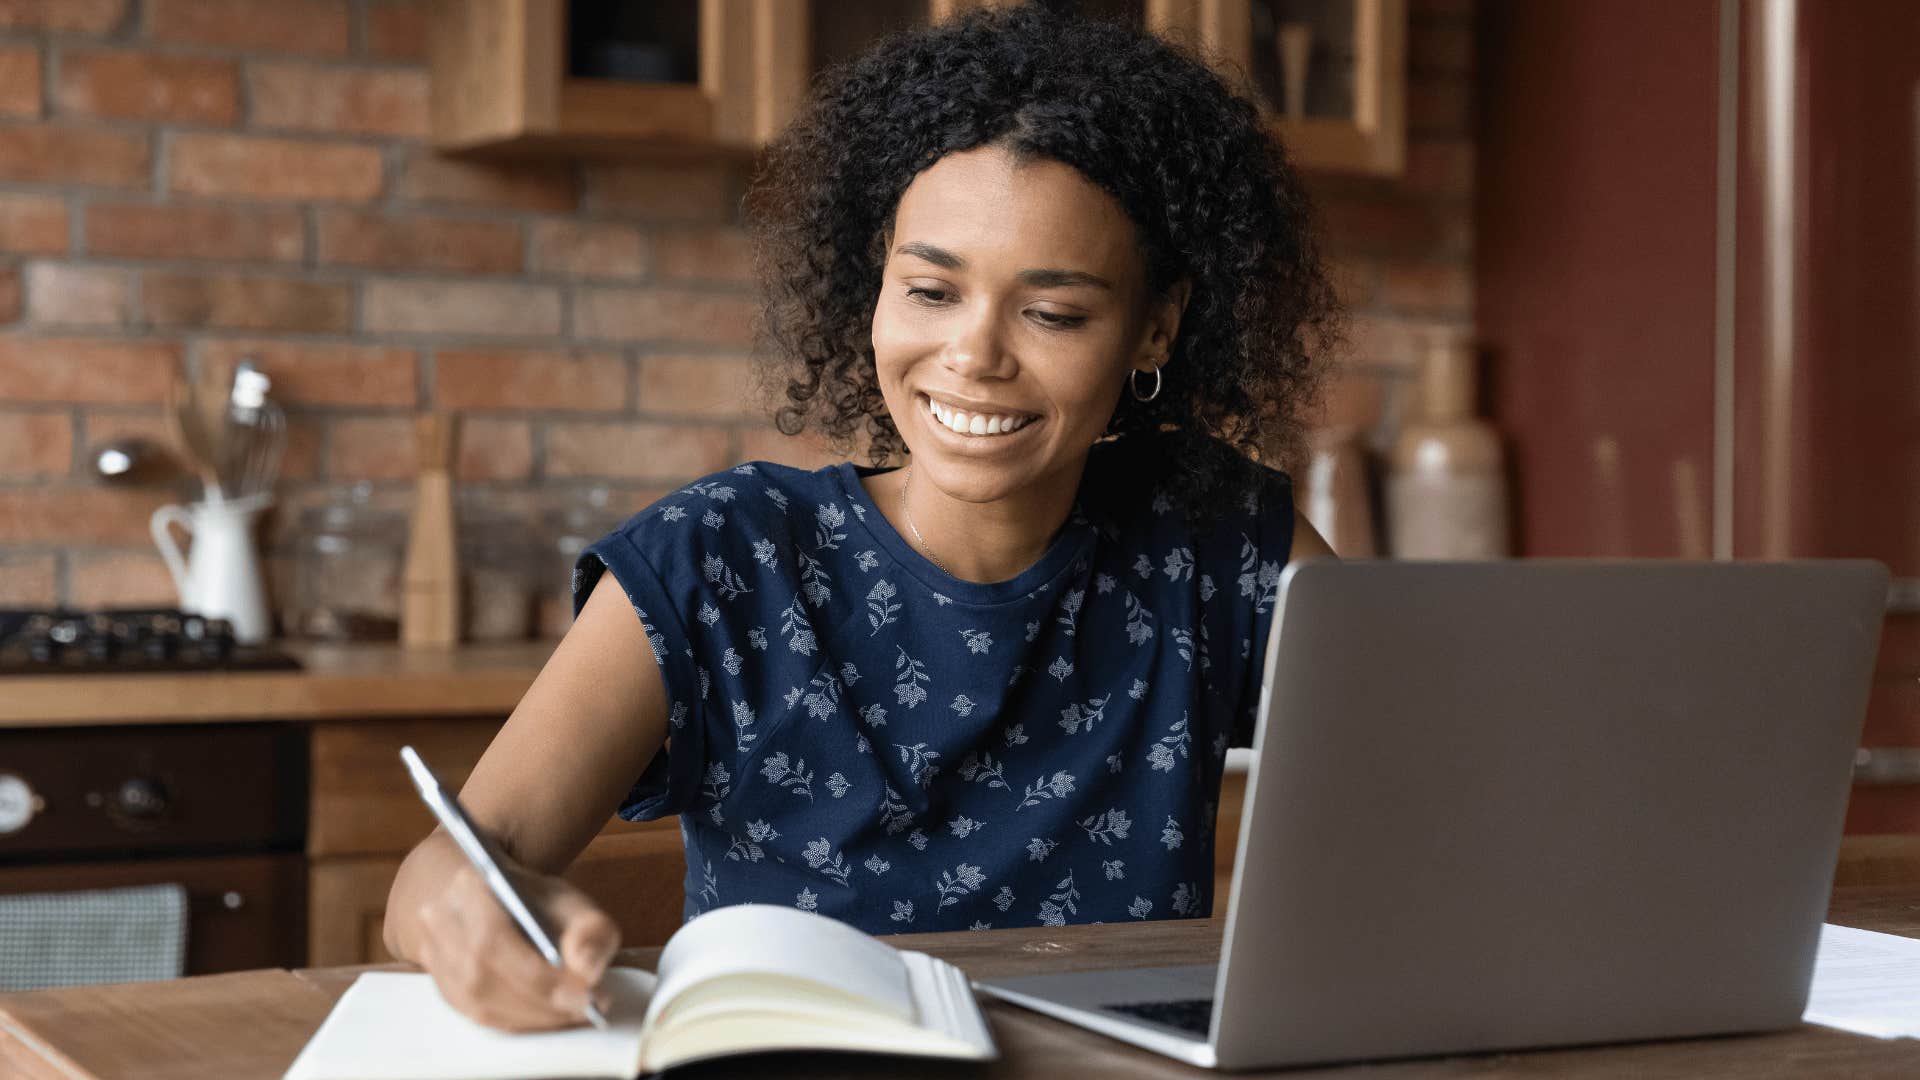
1530, 803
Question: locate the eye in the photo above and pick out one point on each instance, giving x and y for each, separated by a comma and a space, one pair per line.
1057, 322
926, 296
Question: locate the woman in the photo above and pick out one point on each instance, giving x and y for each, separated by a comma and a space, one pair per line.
1061, 270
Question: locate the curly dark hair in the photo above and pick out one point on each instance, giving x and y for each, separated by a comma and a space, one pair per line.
1210, 190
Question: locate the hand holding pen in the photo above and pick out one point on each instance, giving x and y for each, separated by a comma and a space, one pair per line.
509, 948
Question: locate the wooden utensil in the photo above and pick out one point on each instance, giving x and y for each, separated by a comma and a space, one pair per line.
430, 600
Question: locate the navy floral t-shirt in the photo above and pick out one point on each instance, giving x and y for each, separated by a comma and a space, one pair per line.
855, 732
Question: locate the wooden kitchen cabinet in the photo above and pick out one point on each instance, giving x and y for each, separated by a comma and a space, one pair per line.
524, 76
365, 815
1351, 112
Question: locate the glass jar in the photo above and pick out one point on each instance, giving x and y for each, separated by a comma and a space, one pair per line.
347, 571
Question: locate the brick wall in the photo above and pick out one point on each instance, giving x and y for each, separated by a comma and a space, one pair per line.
186, 182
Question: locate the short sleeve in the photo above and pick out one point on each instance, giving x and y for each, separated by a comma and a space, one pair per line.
671, 781
1265, 548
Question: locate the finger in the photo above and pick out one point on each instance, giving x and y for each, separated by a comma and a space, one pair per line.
588, 937
486, 968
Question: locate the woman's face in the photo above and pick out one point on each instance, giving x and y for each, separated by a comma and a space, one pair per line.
1014, 292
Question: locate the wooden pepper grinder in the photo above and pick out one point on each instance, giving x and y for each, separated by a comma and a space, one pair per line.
430, 602
1447, 485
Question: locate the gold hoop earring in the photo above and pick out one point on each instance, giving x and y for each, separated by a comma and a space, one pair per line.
1133, 379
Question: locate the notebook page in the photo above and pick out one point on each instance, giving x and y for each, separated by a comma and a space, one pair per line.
1867, 983
396, 1026
766, 939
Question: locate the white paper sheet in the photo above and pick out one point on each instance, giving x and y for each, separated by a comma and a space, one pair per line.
392, 1024
1866, 983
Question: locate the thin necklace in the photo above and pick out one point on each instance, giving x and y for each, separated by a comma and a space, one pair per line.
906, 484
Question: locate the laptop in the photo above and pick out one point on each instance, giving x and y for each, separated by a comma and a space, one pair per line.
1522, 804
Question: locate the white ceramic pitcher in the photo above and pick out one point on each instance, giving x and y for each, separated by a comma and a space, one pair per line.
221, 577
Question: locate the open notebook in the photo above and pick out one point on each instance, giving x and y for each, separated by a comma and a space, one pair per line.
736, 980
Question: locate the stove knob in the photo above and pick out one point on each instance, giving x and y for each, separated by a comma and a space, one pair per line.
141, 799
19, 803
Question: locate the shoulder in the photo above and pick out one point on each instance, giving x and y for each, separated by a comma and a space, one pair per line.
754, 501
1132, 487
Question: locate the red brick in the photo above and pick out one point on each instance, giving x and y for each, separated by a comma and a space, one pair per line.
27, 580
1355, 279
149, 231
447, 307
806, 451
54, 155
64, 16
706, 318
1380, 341
64, 294
717, 254
119, 579
274, 168
326, 374
300, 26
1358, 225
634, 450
1428, 288
371, 448
243, 302
589, 249
33, 224
128, 85
529, 379
1439, 167
349, 101
35, 445
1353, 397
78, 515
715, 386
430, 178
86, 369
421, 243
12, 294
397, 29
20, 80
492, 449
676, 191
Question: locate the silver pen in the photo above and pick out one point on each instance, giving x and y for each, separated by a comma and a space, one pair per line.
453, 817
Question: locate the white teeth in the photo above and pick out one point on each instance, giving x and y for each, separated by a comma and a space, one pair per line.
975, 424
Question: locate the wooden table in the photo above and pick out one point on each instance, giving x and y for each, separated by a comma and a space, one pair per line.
251, 1024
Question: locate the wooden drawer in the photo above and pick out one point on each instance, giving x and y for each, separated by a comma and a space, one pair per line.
243, 911
362, 802
636, 874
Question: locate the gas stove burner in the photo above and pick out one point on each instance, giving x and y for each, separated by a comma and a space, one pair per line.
136, 640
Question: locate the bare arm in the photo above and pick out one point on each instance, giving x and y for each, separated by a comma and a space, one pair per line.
549, 780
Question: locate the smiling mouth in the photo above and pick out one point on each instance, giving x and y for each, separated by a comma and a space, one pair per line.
976, 425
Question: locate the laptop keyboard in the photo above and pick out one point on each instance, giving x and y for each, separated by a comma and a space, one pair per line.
1193, 1015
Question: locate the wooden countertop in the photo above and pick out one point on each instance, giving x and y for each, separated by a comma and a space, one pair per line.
338, 682
251, 1024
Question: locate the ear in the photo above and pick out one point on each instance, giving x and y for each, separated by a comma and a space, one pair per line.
1163, 324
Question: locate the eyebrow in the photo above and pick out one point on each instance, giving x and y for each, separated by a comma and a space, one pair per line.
1042, 278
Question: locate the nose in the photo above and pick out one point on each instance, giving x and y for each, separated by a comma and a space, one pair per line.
977, 349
